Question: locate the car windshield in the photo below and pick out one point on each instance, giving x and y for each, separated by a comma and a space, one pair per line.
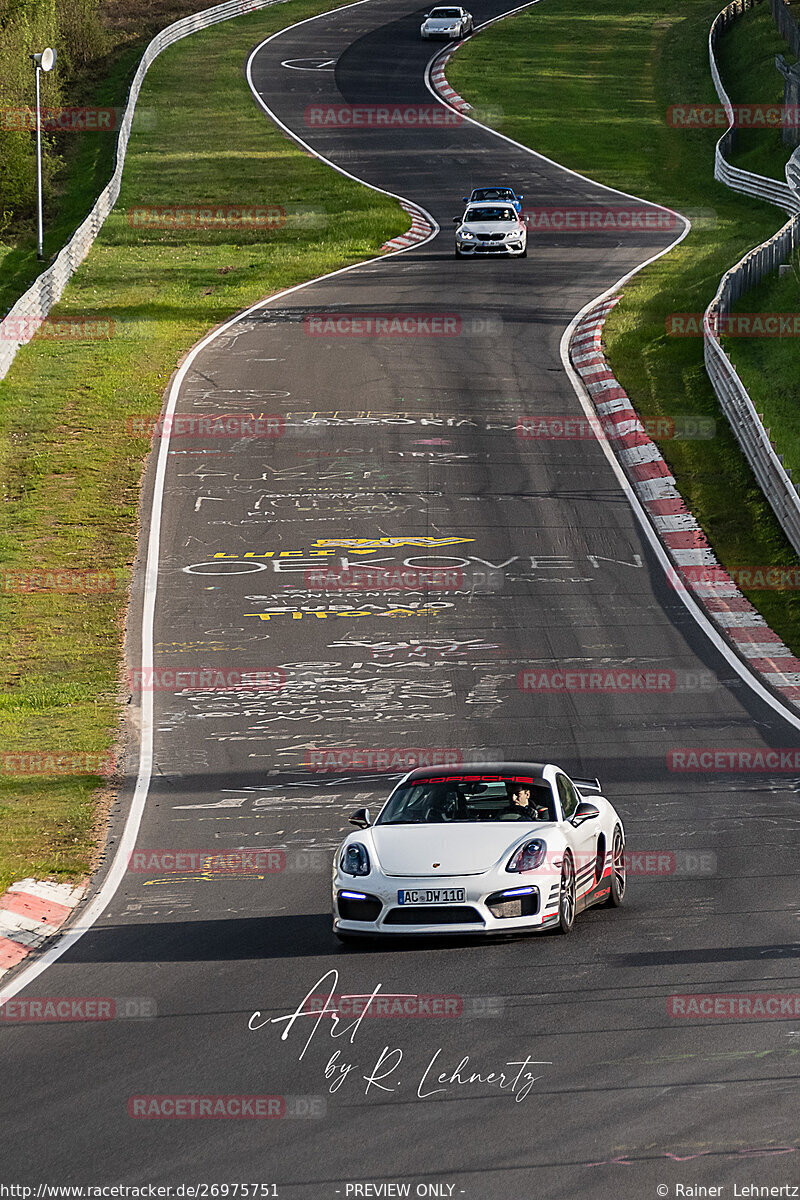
468, 798
490, 214
493, 194
438, 13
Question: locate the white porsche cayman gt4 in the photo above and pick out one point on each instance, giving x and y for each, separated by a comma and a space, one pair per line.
474, 850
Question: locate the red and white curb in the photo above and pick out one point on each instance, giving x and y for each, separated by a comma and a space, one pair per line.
443, 88
30, 913
686, 544
420, 230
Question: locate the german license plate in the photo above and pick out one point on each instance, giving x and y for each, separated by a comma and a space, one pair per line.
431, 896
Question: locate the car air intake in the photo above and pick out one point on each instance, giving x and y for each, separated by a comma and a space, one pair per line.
435, 914
351, 909
500, 904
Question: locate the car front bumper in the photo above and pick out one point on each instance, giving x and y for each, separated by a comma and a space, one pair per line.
381, 913
508, 248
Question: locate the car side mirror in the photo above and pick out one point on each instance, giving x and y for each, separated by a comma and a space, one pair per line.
585, 812
425, 16
456, 220
360, 818
520, 197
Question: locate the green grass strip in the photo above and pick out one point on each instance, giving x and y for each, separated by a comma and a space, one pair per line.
590, 87
71, 472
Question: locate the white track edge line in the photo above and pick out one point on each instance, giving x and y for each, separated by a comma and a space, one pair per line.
691, 604
694, 609
449, 50
108, 889
127, 842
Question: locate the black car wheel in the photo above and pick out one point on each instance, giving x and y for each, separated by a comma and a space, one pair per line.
566, 899
618, 871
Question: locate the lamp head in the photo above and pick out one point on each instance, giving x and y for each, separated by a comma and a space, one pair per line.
46, 60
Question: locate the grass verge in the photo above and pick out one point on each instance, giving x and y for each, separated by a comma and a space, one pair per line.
86, 159
591, 89
71, 473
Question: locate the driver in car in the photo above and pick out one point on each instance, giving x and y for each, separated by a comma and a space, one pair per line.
520, 797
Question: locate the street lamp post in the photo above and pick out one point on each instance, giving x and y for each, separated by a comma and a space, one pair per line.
42, 62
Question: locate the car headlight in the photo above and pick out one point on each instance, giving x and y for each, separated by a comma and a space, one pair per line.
514, 236
528, 857
466, 235
355, 860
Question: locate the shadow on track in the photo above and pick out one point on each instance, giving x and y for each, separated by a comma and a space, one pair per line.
270, 937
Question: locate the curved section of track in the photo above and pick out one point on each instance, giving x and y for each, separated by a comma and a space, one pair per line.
400, 449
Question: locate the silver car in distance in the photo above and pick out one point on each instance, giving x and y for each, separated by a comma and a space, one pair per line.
491, 229
446, 22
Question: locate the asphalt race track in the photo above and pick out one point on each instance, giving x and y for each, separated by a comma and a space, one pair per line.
412, 439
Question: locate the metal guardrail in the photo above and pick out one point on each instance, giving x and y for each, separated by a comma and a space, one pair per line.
34, 305
771, 190
767, 465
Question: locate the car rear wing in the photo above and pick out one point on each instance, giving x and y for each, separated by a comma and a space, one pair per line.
588, 785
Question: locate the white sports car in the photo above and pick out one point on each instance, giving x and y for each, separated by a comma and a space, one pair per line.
495, 228
510, 848
451, 23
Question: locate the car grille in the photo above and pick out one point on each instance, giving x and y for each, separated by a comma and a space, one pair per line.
435, 914
491, 237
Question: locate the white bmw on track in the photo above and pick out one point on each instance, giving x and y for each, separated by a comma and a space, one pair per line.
511, 848
495, 228
446, 22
